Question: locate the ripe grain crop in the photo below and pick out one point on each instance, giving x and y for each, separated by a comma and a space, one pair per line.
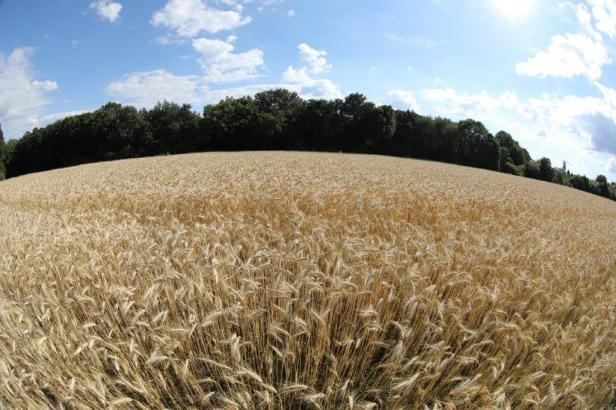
301, 281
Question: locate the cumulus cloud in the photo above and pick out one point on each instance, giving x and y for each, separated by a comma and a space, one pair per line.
294, 75
317, 89
188, 18
584, 17
222, 65
107, 9
215, 95
612, 166
577, 54
23, 98
305, 85
402, 100
601, 130
316, 58
449, 102
301, 80
243, 2
597, 118
50, 118
604, 13
581, 130
568, 56
146, 88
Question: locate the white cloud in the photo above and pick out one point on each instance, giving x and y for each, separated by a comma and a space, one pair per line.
300, 81
291, 13
604, 12
568, 56
163, 40
48, 119
212, 96
107, 9
580, 54
316, 58
584, 17
316, 89
449, 102
214, 49
580, 130
190, 17
240, 3
23, 98
294, 75
402, 100
221, 65
145, 89
612, 166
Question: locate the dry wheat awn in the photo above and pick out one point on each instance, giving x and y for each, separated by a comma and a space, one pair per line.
293, 280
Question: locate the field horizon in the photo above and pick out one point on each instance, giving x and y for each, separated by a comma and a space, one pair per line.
303, 280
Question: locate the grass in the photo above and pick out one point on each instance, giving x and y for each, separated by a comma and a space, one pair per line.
293, 280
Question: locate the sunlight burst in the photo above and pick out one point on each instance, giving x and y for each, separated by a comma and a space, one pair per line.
515, 8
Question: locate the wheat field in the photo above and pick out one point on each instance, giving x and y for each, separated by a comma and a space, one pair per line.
303, 281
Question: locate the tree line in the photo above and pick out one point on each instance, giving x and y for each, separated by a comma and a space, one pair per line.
277, 120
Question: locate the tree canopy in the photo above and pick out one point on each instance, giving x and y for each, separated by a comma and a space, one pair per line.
278, 120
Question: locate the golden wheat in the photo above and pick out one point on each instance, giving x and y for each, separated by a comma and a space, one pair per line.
291, 280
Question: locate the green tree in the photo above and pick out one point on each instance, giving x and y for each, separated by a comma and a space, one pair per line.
518, 155
580, 182
477, 146
378, 125
237, 124
173, 128
546, 172
531, 170
318, 126
603, 186
350, 137
280, 110
559, 176
504, 158
2, 155
277, 119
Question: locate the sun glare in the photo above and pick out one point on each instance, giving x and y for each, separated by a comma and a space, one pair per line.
515, 8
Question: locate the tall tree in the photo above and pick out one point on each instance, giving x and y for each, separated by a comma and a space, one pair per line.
2, 155
318, 126
603, 186
173, 128
518, 155
277, 119
280, 108
546, 172
478, 146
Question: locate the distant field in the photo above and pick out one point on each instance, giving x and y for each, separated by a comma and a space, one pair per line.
295, 280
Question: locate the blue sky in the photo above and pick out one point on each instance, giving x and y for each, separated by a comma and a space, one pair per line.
540, 69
